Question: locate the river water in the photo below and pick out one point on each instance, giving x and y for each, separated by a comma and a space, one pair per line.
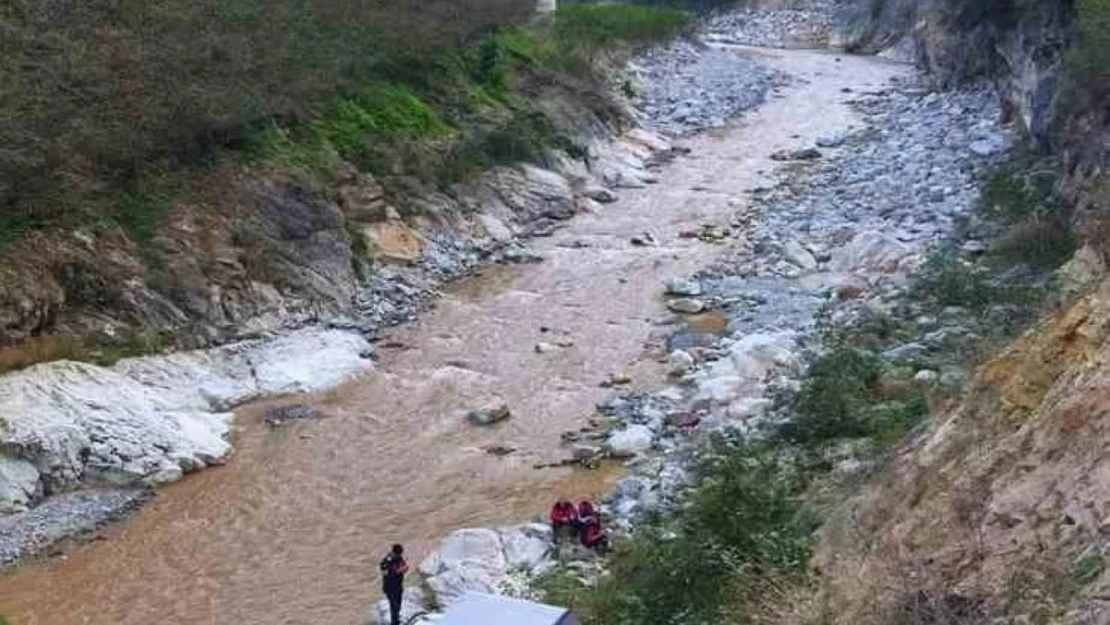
289, 532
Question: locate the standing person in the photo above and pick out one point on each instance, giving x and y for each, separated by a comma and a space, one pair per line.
393, 568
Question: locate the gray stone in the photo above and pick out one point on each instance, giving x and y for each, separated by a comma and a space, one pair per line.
521, 255
495, 410
685, 287
804, 154
277, 416
600, 194
629, 441
797, 254
926, 377
19, 485
686, 306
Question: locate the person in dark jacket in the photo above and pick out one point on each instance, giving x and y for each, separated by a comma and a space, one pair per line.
394, 568
586, 511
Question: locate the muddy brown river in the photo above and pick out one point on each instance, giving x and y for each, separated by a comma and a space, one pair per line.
290, 530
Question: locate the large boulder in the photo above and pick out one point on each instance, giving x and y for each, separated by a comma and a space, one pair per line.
76, 420
755, 355
630, 441
467, 560
526, 547
308, 361
871, 251
153, 419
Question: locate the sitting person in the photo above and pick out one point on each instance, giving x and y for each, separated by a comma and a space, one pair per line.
593, 537
586, 511
564, 519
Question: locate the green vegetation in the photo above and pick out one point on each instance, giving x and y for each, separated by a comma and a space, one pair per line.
1030, 206
110, 105
844, 397
741, 532
1089, 58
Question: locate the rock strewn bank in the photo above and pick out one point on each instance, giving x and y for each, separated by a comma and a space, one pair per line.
151, 420
839, 233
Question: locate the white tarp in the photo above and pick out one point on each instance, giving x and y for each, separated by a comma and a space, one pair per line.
482, 609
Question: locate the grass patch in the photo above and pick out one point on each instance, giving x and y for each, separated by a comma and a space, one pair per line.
603, 25
1088, 61
107, 100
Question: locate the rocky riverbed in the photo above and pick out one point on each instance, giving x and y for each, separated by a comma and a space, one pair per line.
148, 421
848, 224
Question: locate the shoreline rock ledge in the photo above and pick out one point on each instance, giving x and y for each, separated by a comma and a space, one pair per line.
144, 421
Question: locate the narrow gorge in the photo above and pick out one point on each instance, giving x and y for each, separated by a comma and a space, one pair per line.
802, 244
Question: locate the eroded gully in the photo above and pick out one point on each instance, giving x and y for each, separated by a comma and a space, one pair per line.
291, 529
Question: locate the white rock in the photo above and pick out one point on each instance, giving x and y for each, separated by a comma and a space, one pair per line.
755, 355
495, 228
523, 550
649, 139
798, 255
450, 586
62, 411
466, 548
546, 348
547, 184
467, 560
680, 362
629, 441
871, 251
308, 361
154, 418
19, 485
685, 287
720, 389
926, 377
746, 408
686, 306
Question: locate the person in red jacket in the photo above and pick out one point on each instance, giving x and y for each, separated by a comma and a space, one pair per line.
592, 535
564, 518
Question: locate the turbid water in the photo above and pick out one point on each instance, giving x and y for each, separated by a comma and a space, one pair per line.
290, 530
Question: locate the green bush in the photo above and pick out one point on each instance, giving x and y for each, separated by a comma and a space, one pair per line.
947, 280
741, 529
1089, 58
842, 397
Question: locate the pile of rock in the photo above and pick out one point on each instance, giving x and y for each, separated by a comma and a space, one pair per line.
806, 24
687, 88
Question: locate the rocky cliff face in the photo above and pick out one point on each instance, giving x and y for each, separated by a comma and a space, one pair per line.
1019, 44
1000, 507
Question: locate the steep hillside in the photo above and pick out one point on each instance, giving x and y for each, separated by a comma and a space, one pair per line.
997, 509
182, 175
